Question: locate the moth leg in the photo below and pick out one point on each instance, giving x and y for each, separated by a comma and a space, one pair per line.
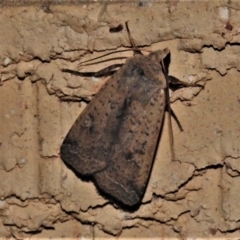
176, 119
135, 48
168, 108
175, 83
104, 72
76, 73
172, 114
108, 70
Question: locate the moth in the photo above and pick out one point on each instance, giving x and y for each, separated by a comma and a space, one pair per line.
114, 139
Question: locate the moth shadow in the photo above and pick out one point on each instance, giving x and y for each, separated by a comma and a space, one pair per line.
110, 200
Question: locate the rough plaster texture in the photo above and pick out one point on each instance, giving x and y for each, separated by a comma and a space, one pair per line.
197, 196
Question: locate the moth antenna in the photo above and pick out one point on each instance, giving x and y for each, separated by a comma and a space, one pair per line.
104, 55
136, 50
101, 61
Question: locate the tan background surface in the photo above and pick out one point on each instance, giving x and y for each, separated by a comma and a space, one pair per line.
196, 196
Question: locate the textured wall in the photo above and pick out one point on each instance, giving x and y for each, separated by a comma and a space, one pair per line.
196, 196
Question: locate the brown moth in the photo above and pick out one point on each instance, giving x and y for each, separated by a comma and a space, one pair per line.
114, 139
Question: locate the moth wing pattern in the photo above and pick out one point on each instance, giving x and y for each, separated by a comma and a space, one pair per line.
115, 138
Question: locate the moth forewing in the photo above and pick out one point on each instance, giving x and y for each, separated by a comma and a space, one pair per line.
115, 138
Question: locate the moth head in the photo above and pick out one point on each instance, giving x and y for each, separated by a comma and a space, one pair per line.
159, 55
